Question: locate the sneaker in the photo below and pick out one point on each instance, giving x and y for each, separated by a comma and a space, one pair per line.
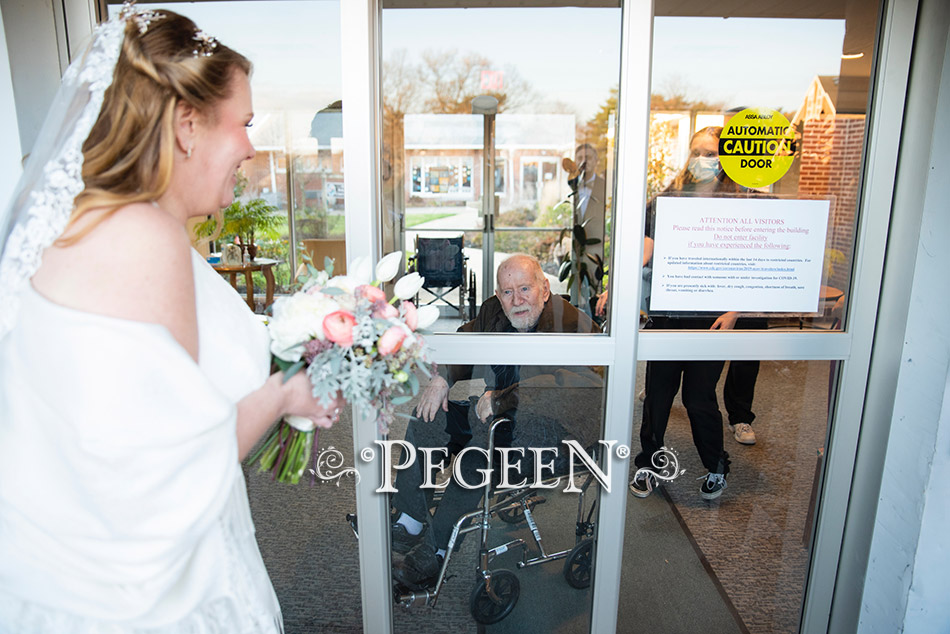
743, 433
643, 484
713, 485
402, 540
420, 567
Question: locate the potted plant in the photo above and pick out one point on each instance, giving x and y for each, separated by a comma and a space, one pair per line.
583, 271
244, 221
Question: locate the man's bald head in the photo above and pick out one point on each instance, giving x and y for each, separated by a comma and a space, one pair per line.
523, 261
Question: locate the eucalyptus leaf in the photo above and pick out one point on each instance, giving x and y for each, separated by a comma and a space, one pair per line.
332, 290
400, 400
294, 369
413, 383
328, 265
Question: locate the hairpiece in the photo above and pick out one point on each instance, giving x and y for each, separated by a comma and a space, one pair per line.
205, 44
142, 17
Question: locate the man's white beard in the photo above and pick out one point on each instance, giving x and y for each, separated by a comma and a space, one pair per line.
525, 320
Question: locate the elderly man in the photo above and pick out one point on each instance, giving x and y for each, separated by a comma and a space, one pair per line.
522, 303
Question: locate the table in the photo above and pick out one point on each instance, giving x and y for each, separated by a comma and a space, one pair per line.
830, 293
264, 265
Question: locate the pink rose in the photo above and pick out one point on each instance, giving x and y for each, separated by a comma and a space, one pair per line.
338, 327
372, 293
384, 310
409, 310
391, 340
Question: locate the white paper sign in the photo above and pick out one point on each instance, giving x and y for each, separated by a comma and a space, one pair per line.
743, 254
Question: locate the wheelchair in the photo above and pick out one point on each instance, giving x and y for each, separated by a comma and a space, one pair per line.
444, 266
496, 590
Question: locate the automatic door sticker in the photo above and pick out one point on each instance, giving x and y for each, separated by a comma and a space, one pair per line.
757, 147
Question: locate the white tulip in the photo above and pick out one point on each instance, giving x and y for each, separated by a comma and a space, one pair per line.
387, 268
426, 316
408, 285
361, 270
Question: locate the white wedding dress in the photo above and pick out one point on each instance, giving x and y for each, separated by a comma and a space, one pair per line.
122, 503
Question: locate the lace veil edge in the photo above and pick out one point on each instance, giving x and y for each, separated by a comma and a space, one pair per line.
42, 200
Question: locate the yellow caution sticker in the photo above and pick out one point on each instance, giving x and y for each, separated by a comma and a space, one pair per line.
757, 147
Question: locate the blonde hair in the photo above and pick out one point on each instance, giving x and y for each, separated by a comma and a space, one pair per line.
724, 184
129, 153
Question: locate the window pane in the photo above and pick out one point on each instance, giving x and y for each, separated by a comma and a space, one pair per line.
539, 156
700, 81
736, 563
550, 406
296, 132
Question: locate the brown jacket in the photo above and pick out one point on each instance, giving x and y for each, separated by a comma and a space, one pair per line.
572, 396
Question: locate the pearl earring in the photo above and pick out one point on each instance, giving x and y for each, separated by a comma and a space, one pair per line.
188, 154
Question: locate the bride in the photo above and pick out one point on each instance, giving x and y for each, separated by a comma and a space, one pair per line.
132, 378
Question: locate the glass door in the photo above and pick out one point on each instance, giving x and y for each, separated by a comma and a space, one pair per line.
811, 353
746, 168
502, 136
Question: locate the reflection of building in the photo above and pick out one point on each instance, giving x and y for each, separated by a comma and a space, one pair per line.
314, 143
444, 153
832, 146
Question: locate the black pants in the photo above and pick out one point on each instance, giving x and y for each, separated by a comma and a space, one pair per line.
699, 380
739, 391
415, 501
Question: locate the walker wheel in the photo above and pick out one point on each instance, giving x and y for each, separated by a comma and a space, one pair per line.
579, 564
487, 609
513, 515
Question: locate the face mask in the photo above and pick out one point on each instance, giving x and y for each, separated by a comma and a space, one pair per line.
704, 168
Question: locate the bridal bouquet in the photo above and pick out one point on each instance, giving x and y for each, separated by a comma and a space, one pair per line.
351, 341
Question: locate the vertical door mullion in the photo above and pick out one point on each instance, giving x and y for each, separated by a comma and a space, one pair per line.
628, 219
835, 580
359, 23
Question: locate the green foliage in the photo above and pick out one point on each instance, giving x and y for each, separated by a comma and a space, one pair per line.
833, 257
245, 220
539, 244
250, 219
582, 270
318, 223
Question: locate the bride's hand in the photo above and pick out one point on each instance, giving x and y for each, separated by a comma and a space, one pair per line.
299, 401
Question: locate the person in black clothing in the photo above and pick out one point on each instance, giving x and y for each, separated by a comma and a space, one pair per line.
702, 176
571, 396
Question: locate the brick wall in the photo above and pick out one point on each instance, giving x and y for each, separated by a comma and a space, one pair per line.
831, 165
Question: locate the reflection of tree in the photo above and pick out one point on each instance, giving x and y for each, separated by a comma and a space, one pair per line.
660, 158
596, 130
445, 82
675, 96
